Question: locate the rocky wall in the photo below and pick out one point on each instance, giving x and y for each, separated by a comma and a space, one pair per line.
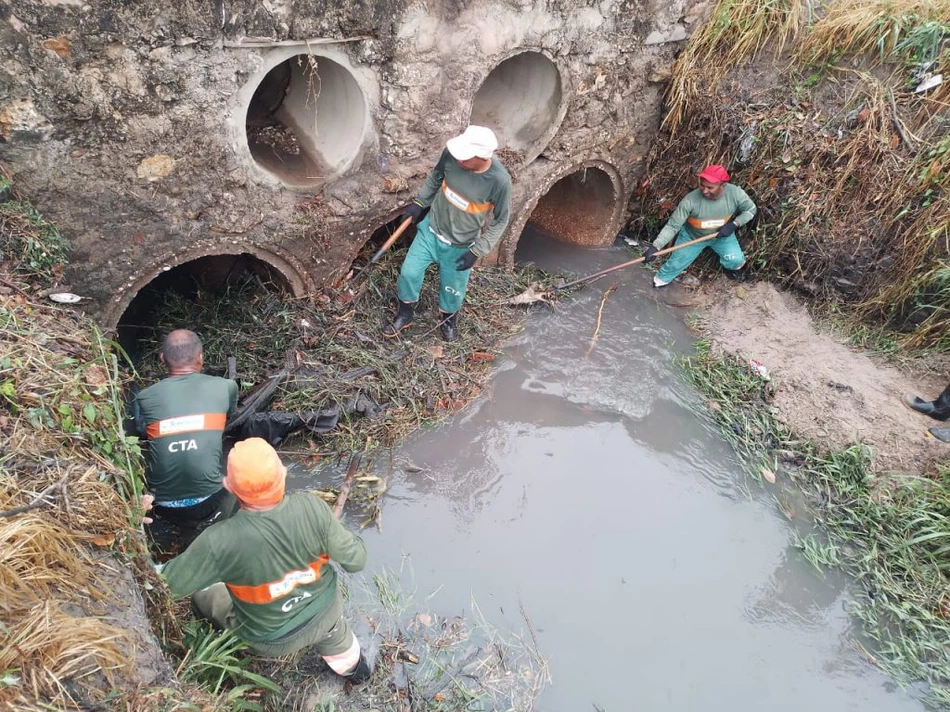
156, 133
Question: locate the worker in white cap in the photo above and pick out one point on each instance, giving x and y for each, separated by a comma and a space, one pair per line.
469, 196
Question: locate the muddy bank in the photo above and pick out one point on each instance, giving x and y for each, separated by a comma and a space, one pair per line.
825, 390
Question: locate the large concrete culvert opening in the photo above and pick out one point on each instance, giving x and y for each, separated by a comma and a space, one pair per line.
179, 298
306, 120
579, 209
521, 100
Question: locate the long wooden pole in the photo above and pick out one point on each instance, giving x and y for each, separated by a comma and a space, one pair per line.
386, 245
638, 260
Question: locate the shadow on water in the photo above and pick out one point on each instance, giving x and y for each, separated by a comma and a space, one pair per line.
588, 489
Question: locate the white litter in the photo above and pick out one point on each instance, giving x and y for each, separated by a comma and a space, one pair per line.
65, 297
935, 80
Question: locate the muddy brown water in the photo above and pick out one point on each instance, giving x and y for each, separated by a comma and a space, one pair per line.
590, 491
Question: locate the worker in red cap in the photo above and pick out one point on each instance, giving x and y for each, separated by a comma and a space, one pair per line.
717, 208
266, 572
468, 194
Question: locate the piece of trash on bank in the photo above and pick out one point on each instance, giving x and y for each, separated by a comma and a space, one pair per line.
759, 369
65, 298
929, 83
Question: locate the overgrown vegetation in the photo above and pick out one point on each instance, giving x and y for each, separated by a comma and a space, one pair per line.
893, 536
848, 163
29, 245
67, 476
336, 355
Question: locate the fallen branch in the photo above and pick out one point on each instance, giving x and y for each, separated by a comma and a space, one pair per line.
600, 314
40, 501
347, 484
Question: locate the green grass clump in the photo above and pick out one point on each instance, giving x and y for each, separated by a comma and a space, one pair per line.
892, 534
28, 242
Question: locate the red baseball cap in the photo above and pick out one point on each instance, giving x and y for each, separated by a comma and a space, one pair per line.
715, 173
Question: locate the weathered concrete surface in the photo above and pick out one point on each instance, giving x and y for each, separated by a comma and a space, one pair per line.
123, 122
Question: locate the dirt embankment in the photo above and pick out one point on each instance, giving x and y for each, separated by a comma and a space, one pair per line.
825, 390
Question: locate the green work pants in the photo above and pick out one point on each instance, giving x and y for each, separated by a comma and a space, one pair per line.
426, 248
730, 255
327, 631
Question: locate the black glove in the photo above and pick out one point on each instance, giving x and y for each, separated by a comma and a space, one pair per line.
413, 211
649, 253
726, 230
466, 261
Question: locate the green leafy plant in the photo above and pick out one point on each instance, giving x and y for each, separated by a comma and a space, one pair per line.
215, 662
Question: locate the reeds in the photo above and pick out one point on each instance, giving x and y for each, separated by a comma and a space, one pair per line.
892, 535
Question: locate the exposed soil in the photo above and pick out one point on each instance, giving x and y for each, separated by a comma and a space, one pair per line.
824, 390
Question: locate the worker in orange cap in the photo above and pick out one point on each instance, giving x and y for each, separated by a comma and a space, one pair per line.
717, 208
266, 572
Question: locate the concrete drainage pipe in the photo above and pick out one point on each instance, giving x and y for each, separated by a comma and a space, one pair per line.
521, 100
580, 208
306, 120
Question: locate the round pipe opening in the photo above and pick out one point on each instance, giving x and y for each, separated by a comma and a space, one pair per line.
578, 209
206, 277
306, 120
521, 100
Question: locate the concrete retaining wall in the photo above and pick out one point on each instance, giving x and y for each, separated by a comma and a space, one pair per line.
156, 133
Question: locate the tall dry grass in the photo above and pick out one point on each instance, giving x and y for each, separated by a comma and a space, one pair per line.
870, 29
53, 652
737, 31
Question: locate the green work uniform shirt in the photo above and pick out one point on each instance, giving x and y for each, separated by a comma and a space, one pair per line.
274, 563
184, 419
703, 217
468, 209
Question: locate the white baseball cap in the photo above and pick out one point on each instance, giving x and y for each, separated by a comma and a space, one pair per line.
474, 141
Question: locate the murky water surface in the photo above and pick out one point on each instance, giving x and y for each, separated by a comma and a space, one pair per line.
588, 490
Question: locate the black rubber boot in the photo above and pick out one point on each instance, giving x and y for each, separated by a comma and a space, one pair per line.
361, 673
736, 275
448, 328
402, 320
938, 409
942, 434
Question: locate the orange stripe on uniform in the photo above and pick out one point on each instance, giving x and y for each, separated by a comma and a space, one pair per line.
457, 200
707, 224
269, 592
186, 424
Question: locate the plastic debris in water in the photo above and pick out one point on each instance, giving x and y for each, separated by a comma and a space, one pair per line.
759, 369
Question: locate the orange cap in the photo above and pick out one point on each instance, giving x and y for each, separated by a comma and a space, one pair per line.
255, 473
